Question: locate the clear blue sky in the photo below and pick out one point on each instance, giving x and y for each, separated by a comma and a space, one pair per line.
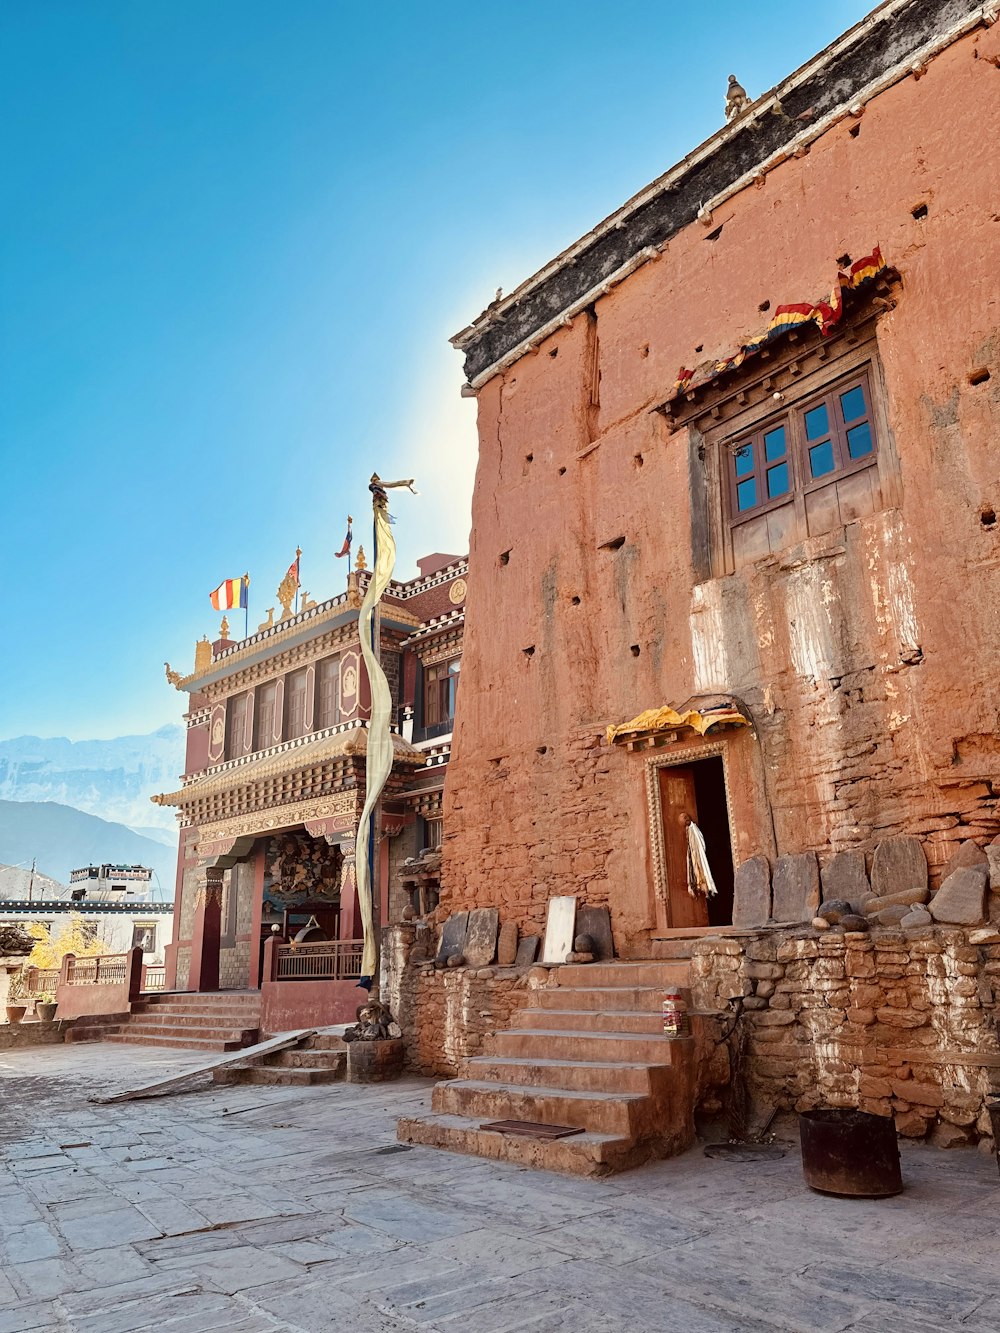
236, 237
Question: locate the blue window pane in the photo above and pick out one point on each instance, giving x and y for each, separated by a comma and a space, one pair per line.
821, 458
746, 494
859, 440
817, 423
852, 404
774, 444
744, 460
777, 480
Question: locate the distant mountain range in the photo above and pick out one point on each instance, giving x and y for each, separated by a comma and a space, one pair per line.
60, 839
16, 882
113, 779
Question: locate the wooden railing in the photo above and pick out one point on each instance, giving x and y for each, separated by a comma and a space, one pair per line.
154, 977
109, 969
327, 960
39, 981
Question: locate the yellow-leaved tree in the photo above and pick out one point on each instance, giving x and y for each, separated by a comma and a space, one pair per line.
50, 948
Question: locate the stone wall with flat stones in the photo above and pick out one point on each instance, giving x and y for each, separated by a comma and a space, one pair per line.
889, 1022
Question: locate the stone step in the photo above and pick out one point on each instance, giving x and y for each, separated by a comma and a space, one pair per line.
641, 999
275, 1076
214, 1031
588, 975
618, 1020
575, 1044
581, 1155
238, 1019
570, 1075
597, 1112
306, 1059
200, 1007
177, 1043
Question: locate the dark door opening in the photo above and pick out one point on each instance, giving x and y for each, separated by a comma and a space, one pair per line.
695, 791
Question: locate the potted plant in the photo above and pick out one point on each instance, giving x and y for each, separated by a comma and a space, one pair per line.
45, 1007
16, 1009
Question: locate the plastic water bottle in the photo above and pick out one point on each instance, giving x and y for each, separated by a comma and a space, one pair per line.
675, 1018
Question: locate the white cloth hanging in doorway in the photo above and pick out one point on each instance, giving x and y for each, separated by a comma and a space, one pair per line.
700, 879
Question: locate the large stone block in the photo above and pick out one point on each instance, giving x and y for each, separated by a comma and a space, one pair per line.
507, 944
752, 892
596, 922
961, 899
795, 889
905, 898
481, 937
993, 857
899, 864
453, 936
969, 854
527, 951
844, 876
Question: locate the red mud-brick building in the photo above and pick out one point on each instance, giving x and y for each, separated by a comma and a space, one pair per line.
266, 899
739, 460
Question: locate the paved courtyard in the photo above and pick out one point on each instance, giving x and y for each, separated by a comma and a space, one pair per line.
251, 1209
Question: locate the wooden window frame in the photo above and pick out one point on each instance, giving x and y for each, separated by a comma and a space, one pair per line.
235, 744
292, 694
430, 680
260, 714
792, 418
327, 673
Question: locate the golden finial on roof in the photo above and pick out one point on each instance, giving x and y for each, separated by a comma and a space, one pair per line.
224, 628
202, 654
359, 560
289, 586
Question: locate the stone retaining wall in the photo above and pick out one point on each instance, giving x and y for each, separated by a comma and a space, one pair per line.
888, 1022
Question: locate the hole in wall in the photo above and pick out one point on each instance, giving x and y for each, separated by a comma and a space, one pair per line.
615, 544
635, 650
919, 212
844, 261
854, 131
562, 472
542, 749
988, 516
529, 651
700, 347
529, 458
497, 762
504, 558
764, 305
979, 376
714, 235
638, 460
554, 351
644, 350
575, 601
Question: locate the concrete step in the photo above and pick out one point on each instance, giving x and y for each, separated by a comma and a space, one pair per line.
184, 1010
597, 1112
275, 1076
569, 1075
582, 1155
176, 1043
306, 1059
588, 975
642, 999
576, 1044
214, 1031
201, 1018
618, 1020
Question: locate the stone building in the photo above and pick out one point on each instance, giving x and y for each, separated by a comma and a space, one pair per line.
274, 784
737, 553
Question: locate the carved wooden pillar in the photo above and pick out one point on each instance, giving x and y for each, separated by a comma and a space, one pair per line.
350, 915
207, 931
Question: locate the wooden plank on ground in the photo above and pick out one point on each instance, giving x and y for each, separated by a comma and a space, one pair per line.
176, 1081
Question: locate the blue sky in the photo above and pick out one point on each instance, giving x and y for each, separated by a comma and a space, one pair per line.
236, 237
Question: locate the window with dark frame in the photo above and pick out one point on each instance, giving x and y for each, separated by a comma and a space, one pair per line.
236, 725
144, 938
440, 692
327, 692
295, 704
811, 443
433, 831
263, 721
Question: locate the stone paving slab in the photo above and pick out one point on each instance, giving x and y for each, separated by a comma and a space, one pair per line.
293, 1210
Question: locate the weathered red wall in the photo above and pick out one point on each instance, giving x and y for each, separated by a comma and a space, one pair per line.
289, 1005
856, 744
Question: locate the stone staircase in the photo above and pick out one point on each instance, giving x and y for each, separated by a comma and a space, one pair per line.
207, 1021
319, 1059
589, 1052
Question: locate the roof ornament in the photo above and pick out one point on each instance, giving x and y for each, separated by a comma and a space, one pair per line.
736, 98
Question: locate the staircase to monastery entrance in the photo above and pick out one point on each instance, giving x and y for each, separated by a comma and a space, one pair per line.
206, 1021
588, 1052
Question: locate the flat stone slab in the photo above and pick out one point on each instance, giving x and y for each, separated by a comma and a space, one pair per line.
560, 928
527, 950
795, 888
481, 937
752, 892
844, 876
905, 898
961, 899
507, 944
898, 864
596, 922
453, 935
993, 857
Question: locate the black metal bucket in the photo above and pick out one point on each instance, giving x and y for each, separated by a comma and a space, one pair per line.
850, 1152
993, 1106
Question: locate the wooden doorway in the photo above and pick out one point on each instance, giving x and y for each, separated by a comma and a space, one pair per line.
692, 790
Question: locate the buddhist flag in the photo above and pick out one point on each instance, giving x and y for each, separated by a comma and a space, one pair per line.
293, 570
346, 548
231, 593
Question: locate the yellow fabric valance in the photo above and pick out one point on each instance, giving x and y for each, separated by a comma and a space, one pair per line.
669, 719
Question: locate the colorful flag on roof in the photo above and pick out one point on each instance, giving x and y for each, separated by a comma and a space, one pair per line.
231, 593
346, 548
293, 570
